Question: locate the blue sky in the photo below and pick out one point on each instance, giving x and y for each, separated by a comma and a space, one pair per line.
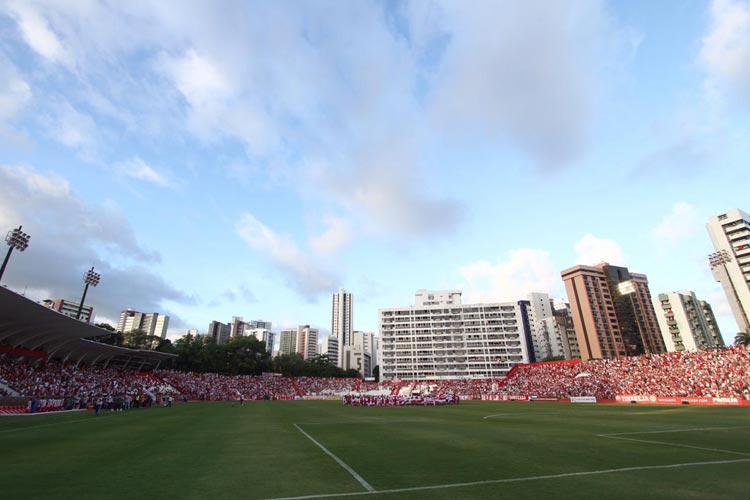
215, 159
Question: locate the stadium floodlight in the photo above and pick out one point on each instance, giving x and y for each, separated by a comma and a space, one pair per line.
90, 278
16, 240
626, 287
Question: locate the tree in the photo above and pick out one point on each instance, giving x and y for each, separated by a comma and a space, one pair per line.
742, 339
245, 355
554, 358
376, 373
138, 339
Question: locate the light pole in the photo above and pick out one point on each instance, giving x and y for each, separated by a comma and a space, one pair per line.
90, 278
16, 239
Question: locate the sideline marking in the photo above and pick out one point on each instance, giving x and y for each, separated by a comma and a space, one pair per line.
519, 414
16, 429
675, 430
516, 479
39, 414
348, 469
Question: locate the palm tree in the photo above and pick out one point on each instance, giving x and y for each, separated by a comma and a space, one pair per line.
742, 338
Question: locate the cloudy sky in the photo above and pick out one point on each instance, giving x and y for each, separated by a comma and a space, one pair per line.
214, 159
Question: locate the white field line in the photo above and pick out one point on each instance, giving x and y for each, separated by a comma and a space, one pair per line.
520, 414
516, 479
675, 430
348, 469
17, 429
12, 415
675, 444
369, 421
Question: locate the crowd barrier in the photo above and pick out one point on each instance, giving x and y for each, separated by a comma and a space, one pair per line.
676, 400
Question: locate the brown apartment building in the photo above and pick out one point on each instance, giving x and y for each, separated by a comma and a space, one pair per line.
612, 311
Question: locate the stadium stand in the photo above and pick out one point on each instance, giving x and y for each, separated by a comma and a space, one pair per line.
50, 357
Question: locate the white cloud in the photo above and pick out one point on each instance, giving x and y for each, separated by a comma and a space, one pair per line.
591, 250
681, 223
725, 51
525, 270
37, 33
337, 234
68, 236
526, 73
15, 94
72, 128
303, 272
346, 89
138, 169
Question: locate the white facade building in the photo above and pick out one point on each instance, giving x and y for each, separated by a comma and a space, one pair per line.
440, 338
151, 323
730, 264
219, 332
368, 342
342, 310
307, 341
544, 335
264, 335
70, 309
329, 347
288, 341
354, 357
686, 323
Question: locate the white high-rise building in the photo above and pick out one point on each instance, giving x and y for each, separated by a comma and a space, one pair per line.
307, 341
151, 323
440, 338
355, 358
367, 341
341, 320
264, 335
329, 347
288, 341
218, 332
70, 308
730, 264
686, 323
544, 339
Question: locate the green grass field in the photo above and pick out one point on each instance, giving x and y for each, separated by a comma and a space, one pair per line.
476, 450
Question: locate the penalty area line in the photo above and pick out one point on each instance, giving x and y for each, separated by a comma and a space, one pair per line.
348, 469
665, 443
516, 479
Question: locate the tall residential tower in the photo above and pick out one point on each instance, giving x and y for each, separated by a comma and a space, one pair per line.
730, 264
341, 320
687, 324
613, 314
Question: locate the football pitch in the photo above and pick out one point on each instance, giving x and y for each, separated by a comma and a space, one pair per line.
321, 449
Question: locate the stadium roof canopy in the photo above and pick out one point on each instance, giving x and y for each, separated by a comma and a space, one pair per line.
29, 325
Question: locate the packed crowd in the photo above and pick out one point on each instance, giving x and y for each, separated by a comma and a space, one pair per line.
312, 386
714, 373
388, 400
212, 387
54, 379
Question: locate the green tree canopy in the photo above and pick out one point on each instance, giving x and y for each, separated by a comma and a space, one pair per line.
742, 339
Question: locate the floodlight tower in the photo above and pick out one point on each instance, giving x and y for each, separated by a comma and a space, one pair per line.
90, 278
16, 239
